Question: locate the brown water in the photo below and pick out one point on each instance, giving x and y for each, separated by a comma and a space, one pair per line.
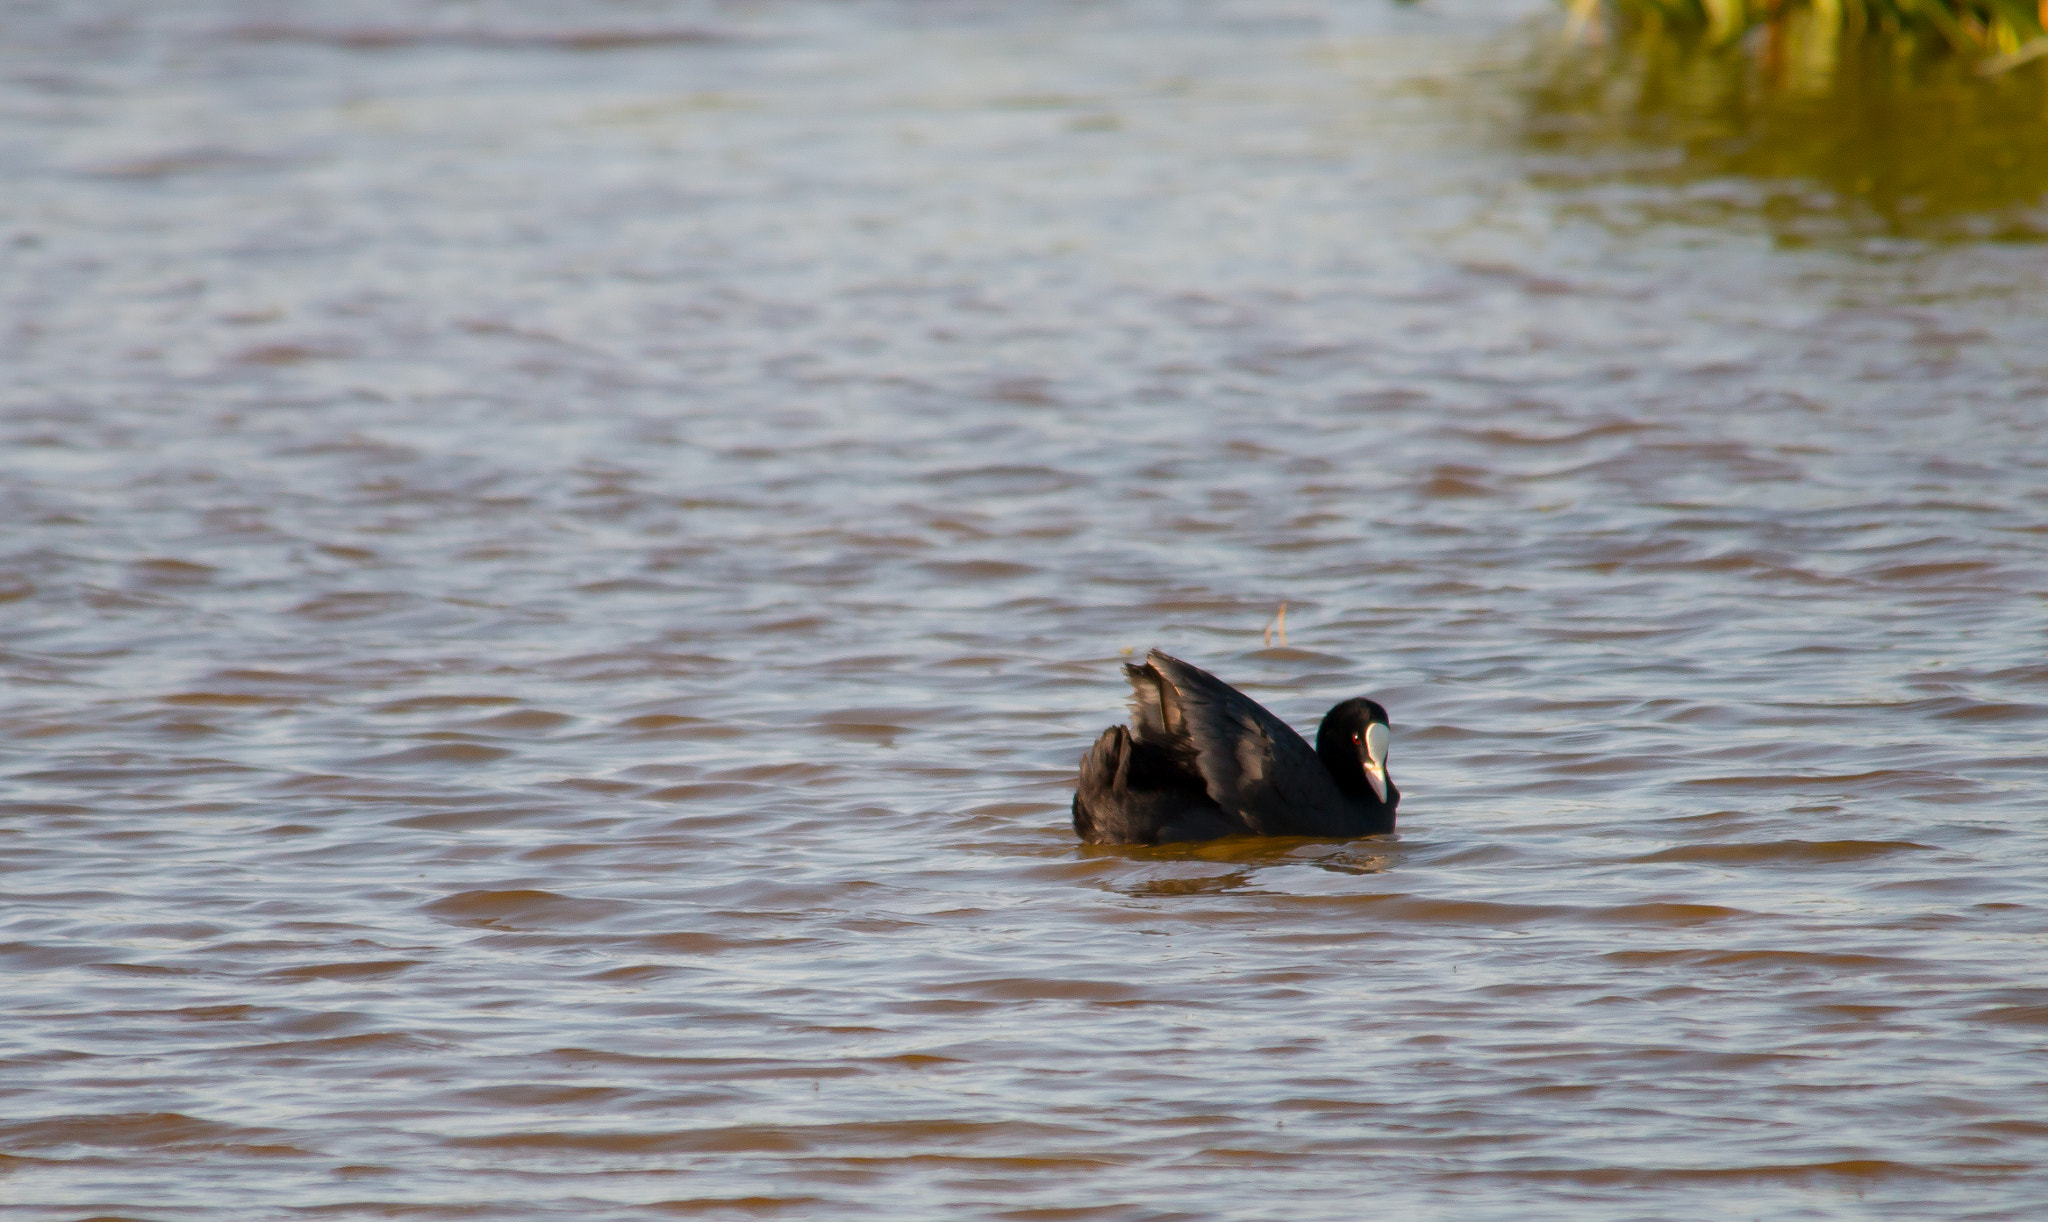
558, 564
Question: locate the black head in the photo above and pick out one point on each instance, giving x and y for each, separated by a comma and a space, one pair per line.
1353, 746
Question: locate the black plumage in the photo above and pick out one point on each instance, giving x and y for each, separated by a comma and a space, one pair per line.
1201, 759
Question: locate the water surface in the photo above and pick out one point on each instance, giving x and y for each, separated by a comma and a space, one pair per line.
559, 564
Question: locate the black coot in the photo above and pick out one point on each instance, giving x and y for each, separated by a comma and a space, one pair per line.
1201, 759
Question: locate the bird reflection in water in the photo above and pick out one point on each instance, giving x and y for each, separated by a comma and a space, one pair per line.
1244, 858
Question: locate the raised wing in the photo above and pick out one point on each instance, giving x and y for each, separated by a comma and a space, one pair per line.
1253, 764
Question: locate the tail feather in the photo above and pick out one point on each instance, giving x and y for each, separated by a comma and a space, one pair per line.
1104, 770
1130, 793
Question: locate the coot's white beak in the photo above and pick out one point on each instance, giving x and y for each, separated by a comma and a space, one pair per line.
1376, 758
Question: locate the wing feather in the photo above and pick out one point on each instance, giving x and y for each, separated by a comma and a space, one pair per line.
1254, 765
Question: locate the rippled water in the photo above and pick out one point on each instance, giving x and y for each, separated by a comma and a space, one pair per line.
559, 562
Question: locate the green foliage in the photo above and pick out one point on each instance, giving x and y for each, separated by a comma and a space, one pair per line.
1809, 130
1996, 34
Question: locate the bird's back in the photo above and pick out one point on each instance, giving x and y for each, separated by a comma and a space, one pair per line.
1252, 764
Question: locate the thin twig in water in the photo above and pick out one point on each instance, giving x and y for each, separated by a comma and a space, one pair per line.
1278, 624
2027, 52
